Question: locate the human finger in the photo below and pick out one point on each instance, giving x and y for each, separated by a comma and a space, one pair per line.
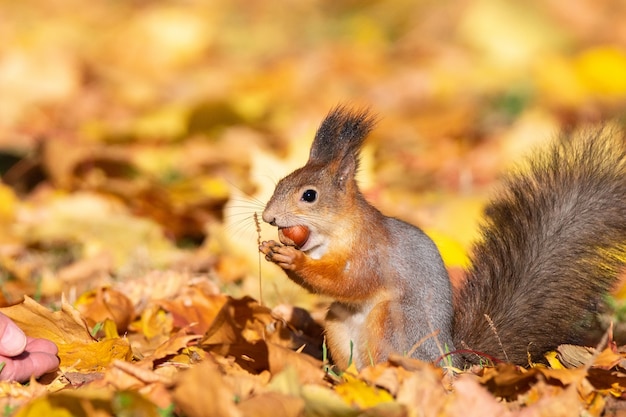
12, 338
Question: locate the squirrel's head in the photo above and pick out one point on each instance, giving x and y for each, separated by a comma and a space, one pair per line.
324, 191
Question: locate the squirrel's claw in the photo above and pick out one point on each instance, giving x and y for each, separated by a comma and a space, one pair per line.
267, 247
284, 256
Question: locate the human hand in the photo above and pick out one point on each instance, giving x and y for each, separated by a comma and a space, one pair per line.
22, 357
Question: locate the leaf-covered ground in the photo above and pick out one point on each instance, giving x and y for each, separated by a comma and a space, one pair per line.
138, 139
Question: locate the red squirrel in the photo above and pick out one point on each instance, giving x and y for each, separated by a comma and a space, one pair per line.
552, 246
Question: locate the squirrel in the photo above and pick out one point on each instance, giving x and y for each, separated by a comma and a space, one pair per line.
553, 244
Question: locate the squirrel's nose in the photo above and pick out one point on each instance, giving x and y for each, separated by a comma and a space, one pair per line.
268, 218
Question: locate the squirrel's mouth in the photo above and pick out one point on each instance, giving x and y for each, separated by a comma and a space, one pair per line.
294, 235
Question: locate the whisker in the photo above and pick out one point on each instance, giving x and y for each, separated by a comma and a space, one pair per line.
248, 196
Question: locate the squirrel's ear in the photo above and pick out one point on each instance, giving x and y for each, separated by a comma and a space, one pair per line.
347, 170
339, 139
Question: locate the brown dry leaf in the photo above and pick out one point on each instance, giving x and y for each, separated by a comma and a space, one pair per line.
241, 319
98, 266
66, 328
245, 330
309, 369
260, 356
563, 376
607, 359
128, 376
202, 391
106, 303
194, 309
272, 404
171, 346
78, 379
608, 381
422, 389
509, 381
382, 375
571, 356
558, 403
472, 400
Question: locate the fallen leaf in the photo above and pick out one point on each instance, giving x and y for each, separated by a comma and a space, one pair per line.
272, 404
194, 309
358, 393
202, 391
61, 327
472, 400
171, 346
320, 401
66, 328
601, 71
92, 402
106, 303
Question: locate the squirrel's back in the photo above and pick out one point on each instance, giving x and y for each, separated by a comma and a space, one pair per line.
553, 244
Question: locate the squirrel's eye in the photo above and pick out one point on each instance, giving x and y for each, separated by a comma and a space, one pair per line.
309, 196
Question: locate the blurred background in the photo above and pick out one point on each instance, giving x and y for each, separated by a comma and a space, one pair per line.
144, 135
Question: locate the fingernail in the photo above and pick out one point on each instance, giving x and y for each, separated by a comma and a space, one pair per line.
12, 341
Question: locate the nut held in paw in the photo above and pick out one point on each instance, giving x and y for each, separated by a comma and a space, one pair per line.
294, 235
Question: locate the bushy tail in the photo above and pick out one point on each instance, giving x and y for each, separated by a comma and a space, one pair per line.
553, 244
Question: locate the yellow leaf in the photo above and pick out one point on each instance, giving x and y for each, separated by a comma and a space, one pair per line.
94, 356
602, 71
61, 327
553, 361
154, 322
43, 407
167, 122
8, 203
356, 392
452, 252
110, 329
77, 348
320, 401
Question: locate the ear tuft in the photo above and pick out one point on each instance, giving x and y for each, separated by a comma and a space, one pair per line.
340, 137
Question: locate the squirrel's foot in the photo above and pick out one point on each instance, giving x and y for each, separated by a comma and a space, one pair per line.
287, 257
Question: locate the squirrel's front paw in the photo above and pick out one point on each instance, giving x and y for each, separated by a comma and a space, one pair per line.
287, 257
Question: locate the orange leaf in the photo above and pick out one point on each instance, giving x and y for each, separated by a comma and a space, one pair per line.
196, 308
106, 303
203, 391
